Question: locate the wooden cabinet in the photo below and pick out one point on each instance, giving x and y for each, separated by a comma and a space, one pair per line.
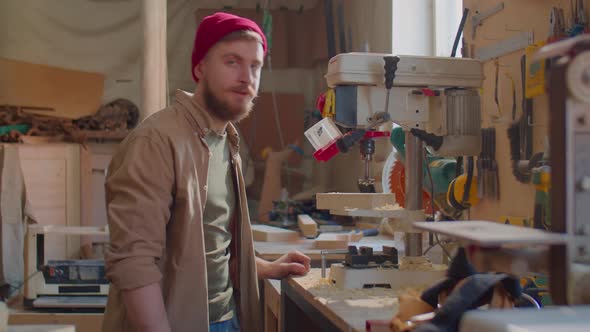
65, 187
52, 179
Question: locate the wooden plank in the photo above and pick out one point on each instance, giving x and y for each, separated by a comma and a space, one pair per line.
365, 201
336, 241
45, 181
274, 250
267, 233
71, 93
41, 328
373, 213
308, 226
492, 234
98, 214
272, 305
85, 193
88, 230
52, 175
84, 322
332, 241
118, 134
73, 200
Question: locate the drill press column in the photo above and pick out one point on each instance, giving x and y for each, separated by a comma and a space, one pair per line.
414, 162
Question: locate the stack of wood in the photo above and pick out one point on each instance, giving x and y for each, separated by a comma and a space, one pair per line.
116, 115
119, 115
11, 137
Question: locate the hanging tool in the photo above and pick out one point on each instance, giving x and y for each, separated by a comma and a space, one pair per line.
526, 129
478, 18
496, 90
542, 211
495, 179
463, 190
520, 135
556, 25
487, 166
513, 85
580, 22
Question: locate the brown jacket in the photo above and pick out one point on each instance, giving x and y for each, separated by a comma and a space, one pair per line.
156, 190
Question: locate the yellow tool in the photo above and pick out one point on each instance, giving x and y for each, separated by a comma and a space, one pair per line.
329, 110
456, 193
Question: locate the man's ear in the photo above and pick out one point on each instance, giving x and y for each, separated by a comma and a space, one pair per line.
198, 70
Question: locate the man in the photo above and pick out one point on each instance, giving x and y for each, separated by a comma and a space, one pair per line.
181, 256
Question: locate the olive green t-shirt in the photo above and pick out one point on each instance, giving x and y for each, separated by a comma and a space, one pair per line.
217, 215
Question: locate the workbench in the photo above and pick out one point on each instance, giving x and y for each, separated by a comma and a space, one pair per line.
83, 322
310, 304
274, 250
40, 328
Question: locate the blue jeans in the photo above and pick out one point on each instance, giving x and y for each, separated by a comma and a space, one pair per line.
230, 325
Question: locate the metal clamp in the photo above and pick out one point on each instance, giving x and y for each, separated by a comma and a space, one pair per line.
323, 254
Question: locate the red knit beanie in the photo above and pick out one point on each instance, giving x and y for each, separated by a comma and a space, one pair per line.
215, 27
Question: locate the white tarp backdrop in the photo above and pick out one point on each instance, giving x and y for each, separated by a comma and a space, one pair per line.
96, 35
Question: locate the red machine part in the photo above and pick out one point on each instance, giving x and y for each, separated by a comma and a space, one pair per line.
327, 152
397, 183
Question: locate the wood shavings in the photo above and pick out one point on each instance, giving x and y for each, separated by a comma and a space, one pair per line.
355, 306
387, 207
420, 264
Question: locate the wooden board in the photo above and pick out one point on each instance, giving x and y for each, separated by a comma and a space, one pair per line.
52, 176
332, 241
341, 201
308, 226
336, 241
84, 322
71, 93
274, 250
41, 328
272, 305
267, 233
492, 234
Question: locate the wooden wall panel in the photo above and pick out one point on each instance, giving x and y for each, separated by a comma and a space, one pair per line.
71, 93
516, 199
298, 39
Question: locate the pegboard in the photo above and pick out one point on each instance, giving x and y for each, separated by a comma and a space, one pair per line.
518, 16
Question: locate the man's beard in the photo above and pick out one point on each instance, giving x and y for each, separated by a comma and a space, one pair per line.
222, 109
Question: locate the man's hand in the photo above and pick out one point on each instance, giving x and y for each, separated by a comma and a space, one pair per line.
294, 263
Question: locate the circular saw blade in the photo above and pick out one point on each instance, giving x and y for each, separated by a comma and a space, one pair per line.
394, 181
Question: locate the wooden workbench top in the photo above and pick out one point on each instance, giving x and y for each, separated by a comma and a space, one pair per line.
85, 322
348, 309
274, 250
40, 328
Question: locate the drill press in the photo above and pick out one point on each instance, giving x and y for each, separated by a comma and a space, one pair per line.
434, 99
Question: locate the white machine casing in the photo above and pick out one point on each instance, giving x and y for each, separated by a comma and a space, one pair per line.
454, 80
358, 68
